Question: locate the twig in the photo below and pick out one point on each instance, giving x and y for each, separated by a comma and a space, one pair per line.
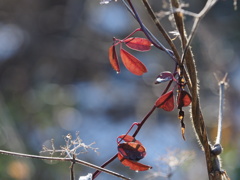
222, 85
168, 39
77, 161
192, 72
198, 18
196, 113
162, 14
72, 168
144, 120
134, 135
96, 173
217, 172
161, 29
145, 30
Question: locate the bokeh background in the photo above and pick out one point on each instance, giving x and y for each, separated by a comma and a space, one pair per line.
55, 79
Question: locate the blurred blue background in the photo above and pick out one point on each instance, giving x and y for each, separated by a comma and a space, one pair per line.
55, 79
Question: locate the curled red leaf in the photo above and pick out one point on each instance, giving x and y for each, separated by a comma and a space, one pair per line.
132, 63
166, 101
164, 77
136, 166
113, 58
132, 150
138, 44
183, 99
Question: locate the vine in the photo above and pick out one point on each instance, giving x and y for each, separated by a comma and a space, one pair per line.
181, 91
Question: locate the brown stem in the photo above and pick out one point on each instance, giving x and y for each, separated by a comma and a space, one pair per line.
168, 39
134, 135
72, 168
197, 117
144, 120
148, 34
77, 161
222, 85
96, 173
161, 29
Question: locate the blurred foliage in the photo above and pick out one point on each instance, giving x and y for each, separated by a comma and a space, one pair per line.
55, 78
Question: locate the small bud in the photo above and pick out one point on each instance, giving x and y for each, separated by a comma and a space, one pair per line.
217, 149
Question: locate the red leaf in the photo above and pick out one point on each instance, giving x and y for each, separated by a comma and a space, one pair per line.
132, 151
113, 58
164, 77
132, 63
136, 166
138, 44
166, 101
183, 99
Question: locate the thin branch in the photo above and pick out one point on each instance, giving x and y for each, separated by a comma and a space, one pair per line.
134, 135
162, 14
136, 131
77, 161
161, 29
222, 84
198, 18
167, 38
145, 30
72, 168
144, 120
196, 113
192, 73
96, 173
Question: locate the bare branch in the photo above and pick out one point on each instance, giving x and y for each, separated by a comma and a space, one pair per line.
198, 18
212, 160
222, 84
72, 168
77, 161
161, 29
148, 34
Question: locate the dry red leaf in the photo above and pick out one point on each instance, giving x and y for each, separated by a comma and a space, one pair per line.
183, 99
164, 77
132, 150
166, 101
138, 44
136, 166
113, 58
132, 63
